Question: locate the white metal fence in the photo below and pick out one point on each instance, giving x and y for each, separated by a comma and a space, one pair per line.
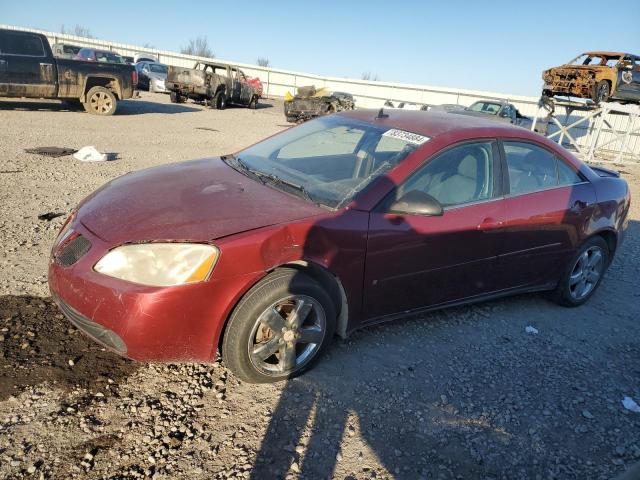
373, 94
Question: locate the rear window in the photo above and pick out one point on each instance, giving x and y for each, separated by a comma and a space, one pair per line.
21, 44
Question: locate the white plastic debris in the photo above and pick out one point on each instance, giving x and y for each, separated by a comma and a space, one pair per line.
630, 404
530, 329
90, 154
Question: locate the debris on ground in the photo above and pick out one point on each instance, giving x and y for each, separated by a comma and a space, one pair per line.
91, 154
630, 404
530, 329
50, 216
207, 129
51, 151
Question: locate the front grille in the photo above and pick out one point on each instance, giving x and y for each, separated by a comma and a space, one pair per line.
73, 251
96, 331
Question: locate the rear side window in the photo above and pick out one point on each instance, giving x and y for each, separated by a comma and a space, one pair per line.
21, 44
566, 174
533, 168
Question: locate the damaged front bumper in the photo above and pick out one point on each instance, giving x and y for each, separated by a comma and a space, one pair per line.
181, 323
571, 83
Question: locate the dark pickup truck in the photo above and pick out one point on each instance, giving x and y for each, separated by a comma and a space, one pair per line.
28, 69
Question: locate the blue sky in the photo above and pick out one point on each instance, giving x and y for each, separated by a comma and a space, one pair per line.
498, 46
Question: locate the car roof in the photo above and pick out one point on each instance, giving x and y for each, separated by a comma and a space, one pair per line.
608, 54
434, 123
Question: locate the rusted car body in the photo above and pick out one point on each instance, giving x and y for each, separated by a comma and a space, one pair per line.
599, 76
29, 69
214, 84
310, 103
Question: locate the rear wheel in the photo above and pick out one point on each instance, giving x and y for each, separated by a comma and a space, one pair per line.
100, 101
584, 273
279, 328
220, 100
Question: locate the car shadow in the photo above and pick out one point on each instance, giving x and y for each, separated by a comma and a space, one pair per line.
40, 346
141, 107
462, 392
125, 107
40, 106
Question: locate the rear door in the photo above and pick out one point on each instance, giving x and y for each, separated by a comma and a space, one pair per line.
546, 206
418, 261
26, 69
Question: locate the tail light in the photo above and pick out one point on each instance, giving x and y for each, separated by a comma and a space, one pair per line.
134, 77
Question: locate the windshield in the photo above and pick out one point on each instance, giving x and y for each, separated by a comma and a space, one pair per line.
158, 68
108, 57
328, 160
485, 107
588, 59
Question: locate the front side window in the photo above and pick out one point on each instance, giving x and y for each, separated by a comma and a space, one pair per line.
21, 44
462, 174
328, 160
533, 168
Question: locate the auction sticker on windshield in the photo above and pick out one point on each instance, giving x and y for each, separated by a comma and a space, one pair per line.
408, 137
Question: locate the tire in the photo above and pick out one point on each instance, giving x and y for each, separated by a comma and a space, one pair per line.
100, 101
256, 352
292, 119
175, 97
583, 269
253, 103
601, 92
220, 100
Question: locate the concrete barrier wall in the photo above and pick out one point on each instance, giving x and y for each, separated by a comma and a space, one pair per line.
371, 94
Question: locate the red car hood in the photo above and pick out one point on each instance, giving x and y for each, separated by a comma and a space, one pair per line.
199, 200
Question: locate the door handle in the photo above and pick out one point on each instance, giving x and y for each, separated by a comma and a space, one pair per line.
489, 223
579, 206
44, 64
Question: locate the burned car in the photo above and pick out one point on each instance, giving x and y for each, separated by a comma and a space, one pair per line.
599, 76
214, 84
310, 103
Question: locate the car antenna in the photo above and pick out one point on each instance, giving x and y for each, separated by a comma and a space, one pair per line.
381, 114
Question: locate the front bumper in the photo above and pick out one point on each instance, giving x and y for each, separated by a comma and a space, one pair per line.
143, 323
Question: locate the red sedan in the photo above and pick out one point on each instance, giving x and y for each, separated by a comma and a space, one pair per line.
344, 221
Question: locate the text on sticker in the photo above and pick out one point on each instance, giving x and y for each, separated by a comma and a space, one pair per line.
408, 137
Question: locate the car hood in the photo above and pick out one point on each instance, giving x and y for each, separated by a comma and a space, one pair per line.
199, 200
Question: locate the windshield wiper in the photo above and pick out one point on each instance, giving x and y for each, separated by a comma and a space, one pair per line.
265, 178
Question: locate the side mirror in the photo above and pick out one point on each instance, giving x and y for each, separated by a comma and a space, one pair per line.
416, 202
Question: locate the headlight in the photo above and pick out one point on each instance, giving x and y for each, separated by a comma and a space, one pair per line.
160, 264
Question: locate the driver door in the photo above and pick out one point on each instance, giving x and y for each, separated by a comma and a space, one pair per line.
629, 79
416, 261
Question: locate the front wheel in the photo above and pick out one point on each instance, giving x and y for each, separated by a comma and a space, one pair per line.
253, 103
584, 273
601, 92
279, 328
100, 101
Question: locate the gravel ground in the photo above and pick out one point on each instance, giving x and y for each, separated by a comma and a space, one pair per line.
461, 393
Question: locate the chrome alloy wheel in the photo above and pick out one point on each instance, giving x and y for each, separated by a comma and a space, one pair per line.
287, 335
586, 273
